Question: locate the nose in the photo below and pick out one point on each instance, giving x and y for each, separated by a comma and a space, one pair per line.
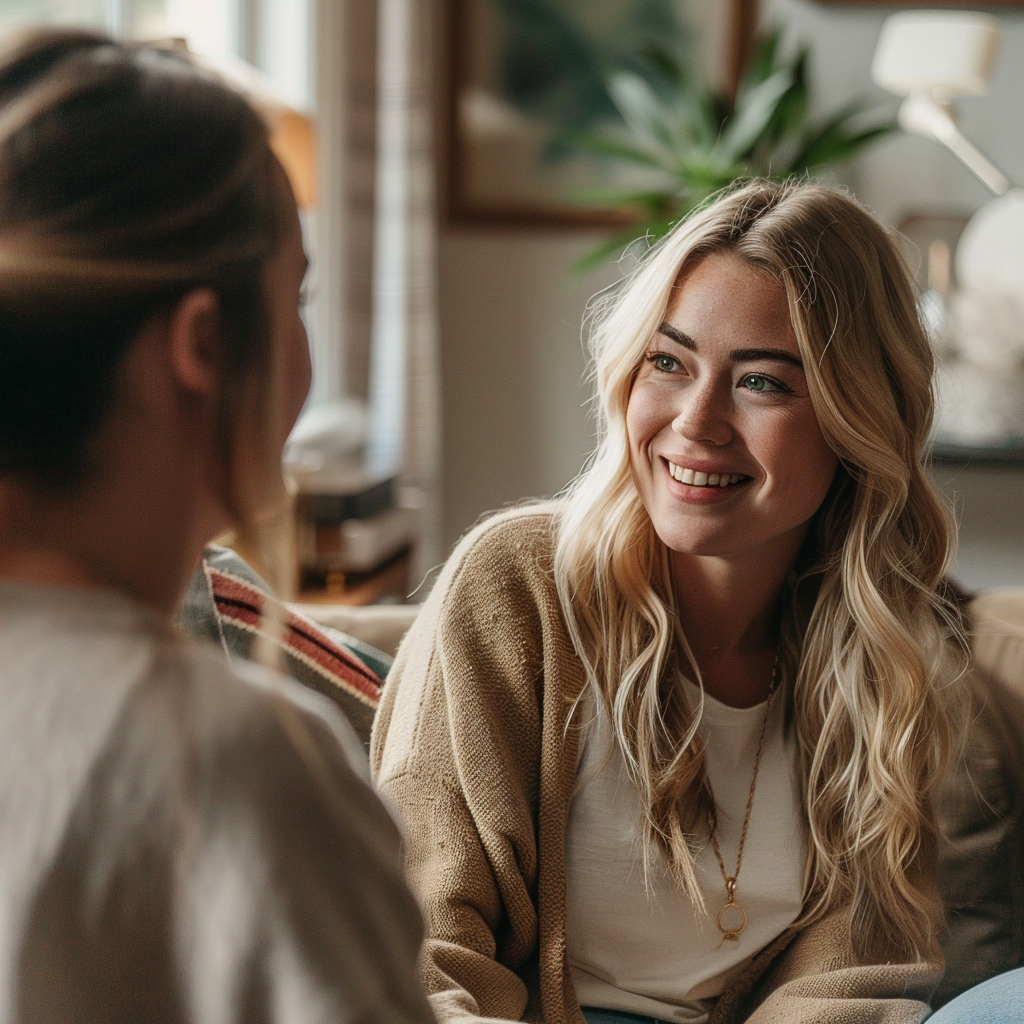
703, 416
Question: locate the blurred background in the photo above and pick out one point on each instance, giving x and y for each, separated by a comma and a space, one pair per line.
472, 172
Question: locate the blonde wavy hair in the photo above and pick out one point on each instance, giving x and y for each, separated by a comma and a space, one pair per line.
872, 642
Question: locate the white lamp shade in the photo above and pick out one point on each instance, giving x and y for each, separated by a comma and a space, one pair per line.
939, 53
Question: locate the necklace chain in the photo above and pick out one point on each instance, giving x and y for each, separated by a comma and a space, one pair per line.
732, 910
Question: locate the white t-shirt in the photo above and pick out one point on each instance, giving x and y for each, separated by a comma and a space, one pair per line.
637, 944
182, 842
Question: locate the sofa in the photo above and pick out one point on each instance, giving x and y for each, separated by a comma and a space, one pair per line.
981, 807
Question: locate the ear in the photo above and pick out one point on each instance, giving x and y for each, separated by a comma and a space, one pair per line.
193, 333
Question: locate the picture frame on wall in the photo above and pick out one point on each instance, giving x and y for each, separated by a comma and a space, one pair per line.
523, 75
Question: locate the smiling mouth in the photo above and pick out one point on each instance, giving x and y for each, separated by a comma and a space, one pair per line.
695, 478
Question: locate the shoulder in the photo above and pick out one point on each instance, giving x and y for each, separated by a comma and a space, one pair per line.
497, 589
246, 705
204, 759
228, 801
213, 736
477, 649
512, 547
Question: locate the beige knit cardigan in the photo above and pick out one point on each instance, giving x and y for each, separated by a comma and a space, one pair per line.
473, 748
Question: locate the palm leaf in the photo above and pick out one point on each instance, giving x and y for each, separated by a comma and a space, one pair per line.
665, 64
762, 64
833, 135
673, 125
605, 145
640, 107
836, 146
644, 234
754, 115
791, 114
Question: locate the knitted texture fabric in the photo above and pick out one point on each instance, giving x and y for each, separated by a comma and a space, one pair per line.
474, 748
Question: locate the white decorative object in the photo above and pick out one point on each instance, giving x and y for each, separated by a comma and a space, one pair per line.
326, 434
990, 254
987, 328
932, 57
978, 407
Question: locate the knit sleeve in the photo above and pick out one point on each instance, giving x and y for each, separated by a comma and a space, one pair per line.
457, 751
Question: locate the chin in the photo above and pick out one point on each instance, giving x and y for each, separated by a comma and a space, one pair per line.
699, 543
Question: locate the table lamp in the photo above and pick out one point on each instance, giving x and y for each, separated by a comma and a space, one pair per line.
931, 58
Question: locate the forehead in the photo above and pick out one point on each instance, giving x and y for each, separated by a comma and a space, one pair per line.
725, 300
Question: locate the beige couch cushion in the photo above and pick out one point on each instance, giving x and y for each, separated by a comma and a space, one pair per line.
998, 617
981, 806
379, 625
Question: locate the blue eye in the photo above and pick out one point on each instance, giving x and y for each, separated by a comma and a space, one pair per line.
760, 384
664, 363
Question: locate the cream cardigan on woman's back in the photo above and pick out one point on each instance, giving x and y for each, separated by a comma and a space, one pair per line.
472, 748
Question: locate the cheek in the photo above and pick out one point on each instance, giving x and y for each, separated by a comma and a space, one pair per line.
643, 419
297, 375
807, 464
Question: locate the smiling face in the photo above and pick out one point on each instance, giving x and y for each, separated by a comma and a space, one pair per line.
724, 443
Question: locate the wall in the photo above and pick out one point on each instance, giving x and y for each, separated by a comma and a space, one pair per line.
512, 368
513, 402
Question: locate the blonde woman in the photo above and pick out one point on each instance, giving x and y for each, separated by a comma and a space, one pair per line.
665, 747
178, 841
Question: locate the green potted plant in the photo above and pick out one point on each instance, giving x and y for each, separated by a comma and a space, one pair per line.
678, 142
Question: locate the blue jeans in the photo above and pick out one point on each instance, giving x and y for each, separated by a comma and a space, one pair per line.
1000, 1000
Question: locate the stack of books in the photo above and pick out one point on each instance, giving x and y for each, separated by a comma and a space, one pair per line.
354, 539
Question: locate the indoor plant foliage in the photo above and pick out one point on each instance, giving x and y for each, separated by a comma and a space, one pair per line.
677, 142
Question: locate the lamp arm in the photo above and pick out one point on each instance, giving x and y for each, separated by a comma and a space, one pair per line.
973, 158
925, 116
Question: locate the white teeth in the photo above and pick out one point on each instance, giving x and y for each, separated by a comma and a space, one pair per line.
697, 479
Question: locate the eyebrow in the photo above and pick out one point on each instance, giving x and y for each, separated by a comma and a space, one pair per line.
737, 355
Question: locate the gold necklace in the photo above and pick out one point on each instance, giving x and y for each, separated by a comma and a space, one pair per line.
732, 918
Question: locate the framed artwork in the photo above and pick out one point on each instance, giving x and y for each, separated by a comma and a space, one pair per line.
524, 74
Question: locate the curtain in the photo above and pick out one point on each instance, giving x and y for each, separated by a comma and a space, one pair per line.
404, 382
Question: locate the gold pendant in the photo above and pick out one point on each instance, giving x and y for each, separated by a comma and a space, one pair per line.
732, 918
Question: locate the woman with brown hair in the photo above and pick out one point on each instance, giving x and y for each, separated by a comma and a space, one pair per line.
178, 841
666, 747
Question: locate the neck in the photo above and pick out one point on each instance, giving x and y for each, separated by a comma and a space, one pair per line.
98, 538
729, 610
46, 567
